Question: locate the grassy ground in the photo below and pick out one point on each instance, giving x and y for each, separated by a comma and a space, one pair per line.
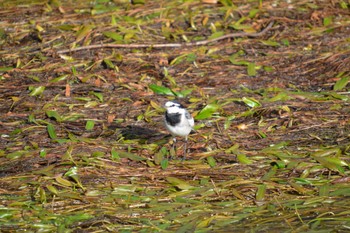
83, 147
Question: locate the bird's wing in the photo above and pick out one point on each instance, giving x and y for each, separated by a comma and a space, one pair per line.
189, 118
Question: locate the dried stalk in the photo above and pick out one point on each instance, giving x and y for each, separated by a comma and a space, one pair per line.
171, 45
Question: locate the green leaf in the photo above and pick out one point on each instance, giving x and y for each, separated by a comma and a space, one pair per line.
270, 43
84, 31
16, 154
340, 192
98, 154
115, 155
260, 194
73, 173
302, 181
51, 131
207, 111
47, 171
282, 96
161, 90
251, 69
72, 117
130, 156
269, 174
6, 213
113, 21
42, 195
66, 58
242, 158
35, 78
31, 118
327, 21
239, 62
4, 69
323, 190
54, 114
262, 134
285, 42
211, 161
191, 57
178, 59
337, 96
63, 181
81, 217
89, 125
66, 27
74, 71
60, 78
233, 57
228, 121
52, 189
35, 91
164, 164
268, 68
109, 63
98, 95
329, 158
159, 156
216, 35
227, 3
327, 152
42, 153
279, 164
205, 223
180, 184
341, 83
134, 2
113, 35
334, 164
245, 27
128, 36
251, 102
253, 12
124, 189
183, 93
344, 5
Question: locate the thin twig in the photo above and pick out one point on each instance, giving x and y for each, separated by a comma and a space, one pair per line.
171, 45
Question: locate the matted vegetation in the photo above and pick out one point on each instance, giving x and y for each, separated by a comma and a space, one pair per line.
83, 147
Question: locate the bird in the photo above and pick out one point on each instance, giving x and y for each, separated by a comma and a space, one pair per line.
179, 122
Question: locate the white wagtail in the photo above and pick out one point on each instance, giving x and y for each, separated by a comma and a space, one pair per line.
178, 121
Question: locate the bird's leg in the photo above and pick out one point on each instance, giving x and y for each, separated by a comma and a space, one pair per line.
173, 151
185, 149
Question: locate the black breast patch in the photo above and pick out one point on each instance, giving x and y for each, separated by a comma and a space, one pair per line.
173, 118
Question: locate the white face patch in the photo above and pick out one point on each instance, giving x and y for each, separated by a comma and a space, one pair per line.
176, 109
171, 104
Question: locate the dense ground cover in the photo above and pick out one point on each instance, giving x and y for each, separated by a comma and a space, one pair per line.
83, 147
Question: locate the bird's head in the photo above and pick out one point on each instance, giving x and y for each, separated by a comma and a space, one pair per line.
173, 104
